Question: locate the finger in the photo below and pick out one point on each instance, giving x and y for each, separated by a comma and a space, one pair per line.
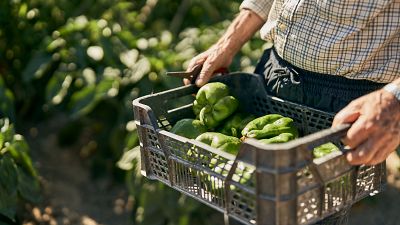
359, 132
366, 151
383, 152
349, 114
379, 157
198, 60
205, 74
186, 81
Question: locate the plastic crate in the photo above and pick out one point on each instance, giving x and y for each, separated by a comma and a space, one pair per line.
287, 185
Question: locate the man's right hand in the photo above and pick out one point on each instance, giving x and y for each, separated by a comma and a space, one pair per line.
221, 54
214, 58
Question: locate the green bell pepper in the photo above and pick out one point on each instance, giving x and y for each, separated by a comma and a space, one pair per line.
281, 138
220, 141
241, 175
213, 104
324, 150
270, 126
234, 125
189, 128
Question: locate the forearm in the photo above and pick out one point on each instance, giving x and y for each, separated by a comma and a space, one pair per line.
243, 27
221, 54
396, 82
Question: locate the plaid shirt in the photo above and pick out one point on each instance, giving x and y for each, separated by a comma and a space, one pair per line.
355, 39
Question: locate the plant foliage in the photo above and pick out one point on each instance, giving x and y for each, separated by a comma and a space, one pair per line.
90, 59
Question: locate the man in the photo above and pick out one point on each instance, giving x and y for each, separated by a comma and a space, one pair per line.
333, 55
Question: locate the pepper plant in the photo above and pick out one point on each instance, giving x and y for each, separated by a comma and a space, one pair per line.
89, 59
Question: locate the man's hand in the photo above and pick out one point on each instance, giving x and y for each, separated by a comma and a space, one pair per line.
216, 57
220, 55
375, 129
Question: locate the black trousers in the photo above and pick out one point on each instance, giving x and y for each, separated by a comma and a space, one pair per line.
321, 91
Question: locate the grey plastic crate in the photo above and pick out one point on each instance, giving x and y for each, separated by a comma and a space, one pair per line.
287, 185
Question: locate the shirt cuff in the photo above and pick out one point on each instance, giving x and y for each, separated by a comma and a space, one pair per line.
260, 7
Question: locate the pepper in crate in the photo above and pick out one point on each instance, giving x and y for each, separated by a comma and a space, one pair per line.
213, 104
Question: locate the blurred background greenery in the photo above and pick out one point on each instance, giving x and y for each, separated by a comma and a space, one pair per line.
86, 60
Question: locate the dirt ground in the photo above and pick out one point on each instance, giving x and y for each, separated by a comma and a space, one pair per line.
73, 197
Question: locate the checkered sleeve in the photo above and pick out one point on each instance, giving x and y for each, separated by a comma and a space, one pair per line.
260, 7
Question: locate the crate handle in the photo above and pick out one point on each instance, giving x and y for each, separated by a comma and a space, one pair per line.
318, 139
324, 136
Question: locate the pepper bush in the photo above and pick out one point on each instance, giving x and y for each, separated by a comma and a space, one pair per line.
89, 59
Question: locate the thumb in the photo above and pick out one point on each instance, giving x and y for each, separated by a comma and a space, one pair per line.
186, 81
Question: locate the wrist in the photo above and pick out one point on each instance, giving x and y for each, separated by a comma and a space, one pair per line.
393, 89
229, 45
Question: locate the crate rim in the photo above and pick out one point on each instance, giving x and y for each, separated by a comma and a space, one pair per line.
309, 138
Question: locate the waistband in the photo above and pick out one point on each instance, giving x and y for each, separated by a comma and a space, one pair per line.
338, 84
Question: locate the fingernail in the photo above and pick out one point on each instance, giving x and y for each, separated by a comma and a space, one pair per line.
349, 157
199, 82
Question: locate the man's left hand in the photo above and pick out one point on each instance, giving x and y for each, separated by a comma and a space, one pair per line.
375, 129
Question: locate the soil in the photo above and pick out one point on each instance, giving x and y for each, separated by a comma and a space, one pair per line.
73, 197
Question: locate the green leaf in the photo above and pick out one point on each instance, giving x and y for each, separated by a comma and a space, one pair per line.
19, 151
57, 88
56, 44
7, 130
8, 187
8, 174
83, 101
27, 163
78, 24
131, 139
28, 186
104, 88
6, 101
8, 203
128, 38
1, 141
129, 159
37, 66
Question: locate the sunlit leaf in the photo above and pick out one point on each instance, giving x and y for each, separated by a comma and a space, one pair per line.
7, 129
78, 24
55, 44
129, 58
57, 87
95, 52
129, 159
128, 38
21, 146
1, 141
139, 70
107, 87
